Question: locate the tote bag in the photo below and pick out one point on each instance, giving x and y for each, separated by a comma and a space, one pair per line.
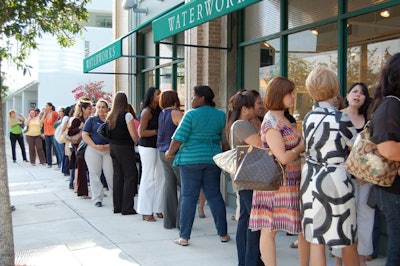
257, 169
366, 163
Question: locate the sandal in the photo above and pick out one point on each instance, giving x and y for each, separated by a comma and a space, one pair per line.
294, 244
148, 218
181, 242
201, 215
225, 238
160, 215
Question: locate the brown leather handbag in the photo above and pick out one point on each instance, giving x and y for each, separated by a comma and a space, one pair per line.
258, 169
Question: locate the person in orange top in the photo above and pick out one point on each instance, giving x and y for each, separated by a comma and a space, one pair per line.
48, 119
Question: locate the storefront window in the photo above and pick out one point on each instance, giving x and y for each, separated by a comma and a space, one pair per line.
308, 50
262, 19
149, 50
261, 64
150, 79
372, 39
357, 4
302, 12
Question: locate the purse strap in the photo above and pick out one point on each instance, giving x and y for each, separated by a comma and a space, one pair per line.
392, 96
312, 135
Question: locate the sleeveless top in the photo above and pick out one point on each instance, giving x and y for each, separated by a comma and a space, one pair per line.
153, 124
120, 134
16, 129
34, 128
166, 129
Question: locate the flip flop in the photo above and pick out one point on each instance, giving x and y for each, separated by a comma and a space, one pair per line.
181, 242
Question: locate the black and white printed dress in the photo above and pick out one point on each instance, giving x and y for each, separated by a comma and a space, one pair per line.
327, 195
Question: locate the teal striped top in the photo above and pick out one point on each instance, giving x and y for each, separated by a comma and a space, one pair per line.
200, 132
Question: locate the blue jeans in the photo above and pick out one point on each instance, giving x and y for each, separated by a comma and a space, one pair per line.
194, 177
59, 151
389, 204
247, 241
49, 149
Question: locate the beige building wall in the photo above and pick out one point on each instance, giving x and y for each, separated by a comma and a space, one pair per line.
208, 66
120, 28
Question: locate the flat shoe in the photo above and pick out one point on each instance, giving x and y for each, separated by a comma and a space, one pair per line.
160, 215
99, 204
294, 244
148, 218
369, 258
130, 212
181, 242
225, 238
201, 215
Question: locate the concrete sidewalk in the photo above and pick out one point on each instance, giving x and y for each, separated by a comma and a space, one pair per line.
52, 226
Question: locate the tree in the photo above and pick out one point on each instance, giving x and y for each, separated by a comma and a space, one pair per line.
92, 90
22, 23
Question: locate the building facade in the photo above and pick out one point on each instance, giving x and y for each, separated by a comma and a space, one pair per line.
55, 70
241, 44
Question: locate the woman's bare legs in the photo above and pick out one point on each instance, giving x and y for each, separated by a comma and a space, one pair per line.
317, 255
267, 247
350, 255
363, 260
202, 202
304, 251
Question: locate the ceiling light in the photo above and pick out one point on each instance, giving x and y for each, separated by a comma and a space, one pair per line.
267, 45
385, 13
314, 31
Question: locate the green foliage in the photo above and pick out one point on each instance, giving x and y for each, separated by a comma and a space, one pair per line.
3, 88
25, 21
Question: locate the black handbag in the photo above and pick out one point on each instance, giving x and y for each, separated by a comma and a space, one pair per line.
257, 169
104, 130
80, 151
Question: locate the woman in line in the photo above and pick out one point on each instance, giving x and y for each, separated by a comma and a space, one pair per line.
279, 210
48, 119
168, 121
327, 193
16, 124
357, 104
34, 138
123, 136
240, 131
82, 112
151, 190
385, 132
65, 160
58, 147
97, 154
196, 140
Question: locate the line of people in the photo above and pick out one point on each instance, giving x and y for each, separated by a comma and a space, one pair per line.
320, 202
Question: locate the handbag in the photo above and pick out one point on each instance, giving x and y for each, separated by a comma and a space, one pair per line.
226, 161
366, 163
80, 151
74, 139
59, 135
104, 130
257, 169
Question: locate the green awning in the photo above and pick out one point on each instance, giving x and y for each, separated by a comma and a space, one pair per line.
114, 50
194, 13
104, 56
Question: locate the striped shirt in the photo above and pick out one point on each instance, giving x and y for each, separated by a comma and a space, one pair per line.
200, 132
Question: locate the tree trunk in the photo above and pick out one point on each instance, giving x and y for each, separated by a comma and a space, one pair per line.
6, 233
